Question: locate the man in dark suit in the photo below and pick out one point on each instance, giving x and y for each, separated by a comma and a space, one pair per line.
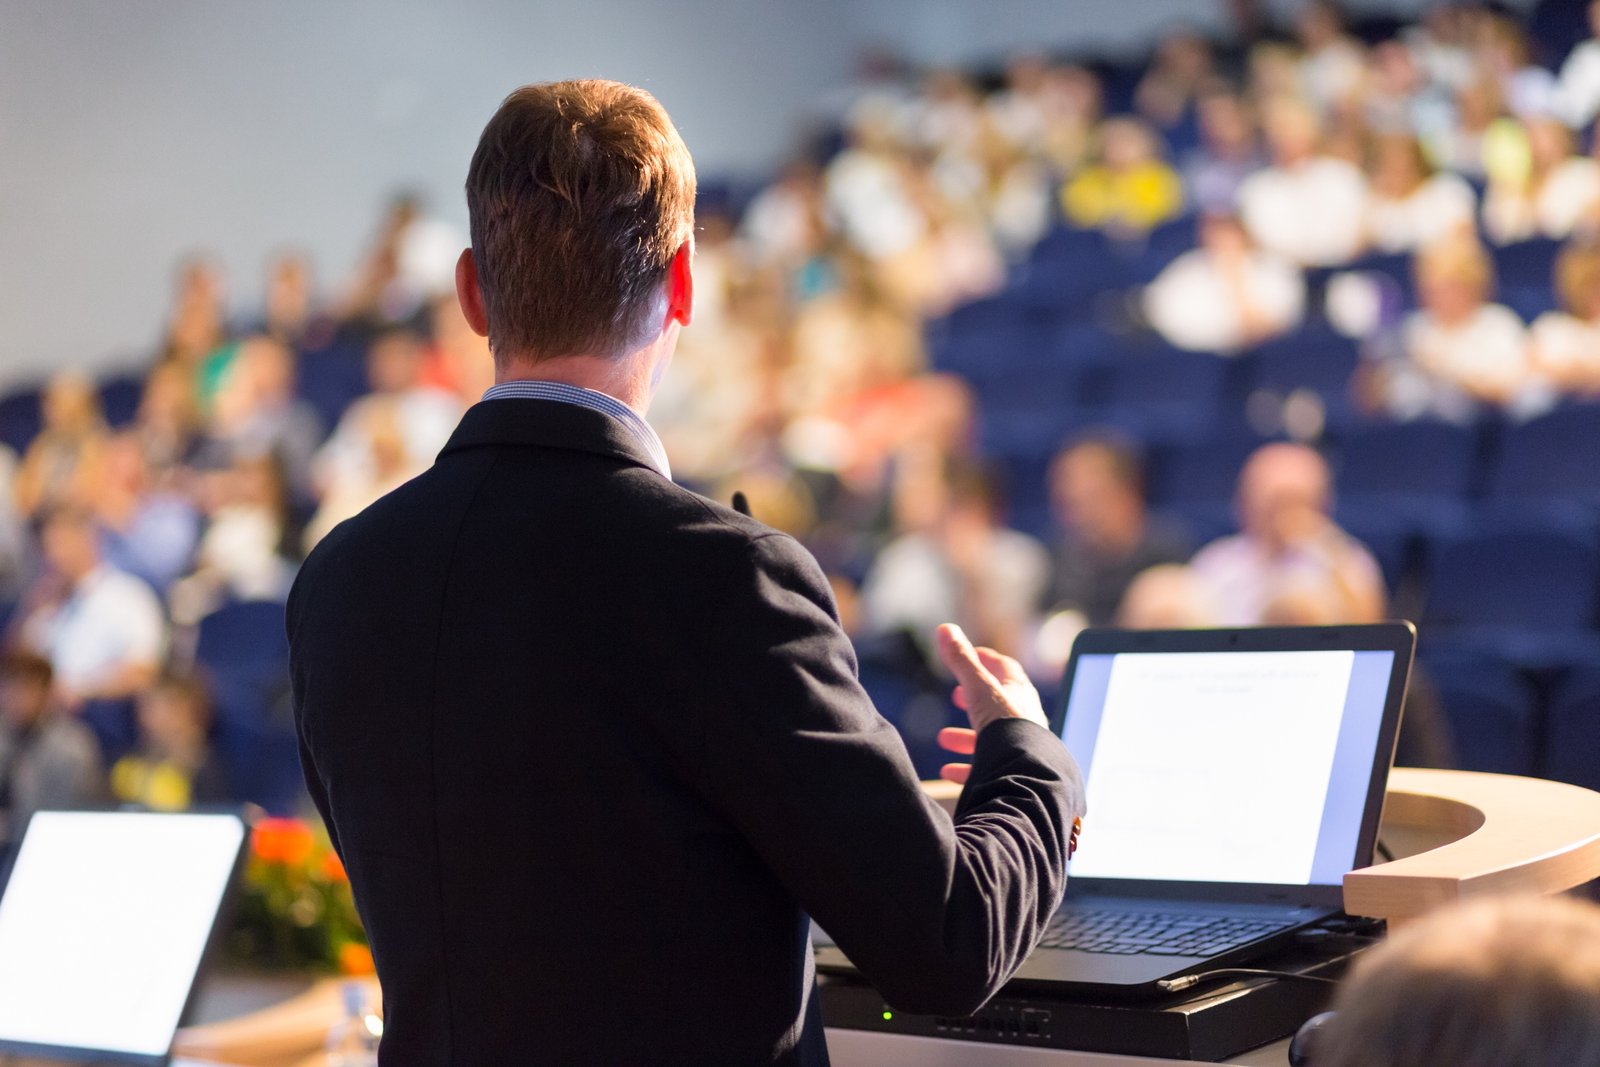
592, 747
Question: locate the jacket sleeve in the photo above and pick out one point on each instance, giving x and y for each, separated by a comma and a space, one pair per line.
937, 915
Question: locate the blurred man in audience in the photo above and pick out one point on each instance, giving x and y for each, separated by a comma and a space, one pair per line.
102, 630
1229, 153
1225, 295
1307, 207
47, 759
172, 767
257, 413
1565, 345
954, 559
1489, 984
1463, 351
1288, 548
147, 532
1108, 535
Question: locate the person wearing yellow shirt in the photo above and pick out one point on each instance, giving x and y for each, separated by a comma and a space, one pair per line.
173, 768
1130, 189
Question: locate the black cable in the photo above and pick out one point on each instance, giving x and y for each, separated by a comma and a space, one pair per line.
1189, 981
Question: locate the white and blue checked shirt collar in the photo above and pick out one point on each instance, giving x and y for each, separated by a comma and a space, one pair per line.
594, 400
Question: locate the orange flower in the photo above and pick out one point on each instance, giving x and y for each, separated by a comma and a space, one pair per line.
355, 959
333, 868
286, 841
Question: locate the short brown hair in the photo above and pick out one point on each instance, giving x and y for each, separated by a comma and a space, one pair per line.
580, 193
27, 666
1492, 983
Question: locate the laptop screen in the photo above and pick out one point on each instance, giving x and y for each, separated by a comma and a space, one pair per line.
103, 927
1226, 766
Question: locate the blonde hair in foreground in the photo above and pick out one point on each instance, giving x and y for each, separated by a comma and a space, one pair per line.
1511, 982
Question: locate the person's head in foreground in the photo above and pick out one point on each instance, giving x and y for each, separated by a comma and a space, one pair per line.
581, 197
1502, 983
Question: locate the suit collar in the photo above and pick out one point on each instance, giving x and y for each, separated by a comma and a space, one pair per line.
547, 424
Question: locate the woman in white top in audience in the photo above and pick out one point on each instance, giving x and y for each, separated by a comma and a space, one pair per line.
1412, 205
1460, 342
1225, 295
1537, 185
1565, 348
1308, 206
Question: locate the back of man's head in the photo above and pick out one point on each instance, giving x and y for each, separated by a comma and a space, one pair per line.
1495, 983
580, 193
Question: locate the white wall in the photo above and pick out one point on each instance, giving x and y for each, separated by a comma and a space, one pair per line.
131, 132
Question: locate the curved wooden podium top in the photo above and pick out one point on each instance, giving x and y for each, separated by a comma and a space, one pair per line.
1502, 834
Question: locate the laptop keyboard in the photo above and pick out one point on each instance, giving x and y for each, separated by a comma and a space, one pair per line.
1131, 933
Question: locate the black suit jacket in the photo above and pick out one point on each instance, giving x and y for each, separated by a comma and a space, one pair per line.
592, 747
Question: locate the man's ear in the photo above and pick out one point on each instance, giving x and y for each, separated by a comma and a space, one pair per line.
680, 287
470, 295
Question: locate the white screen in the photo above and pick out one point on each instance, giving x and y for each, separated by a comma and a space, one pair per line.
1213, 766
103, 925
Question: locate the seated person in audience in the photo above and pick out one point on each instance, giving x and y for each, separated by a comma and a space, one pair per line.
1229, 153
1538, 185
1309, 207
57, 459
458, 362
257, 413
47, 759
1578, 91
173, 767
1288, 544
1167, 597
245, 552
147, 532
1412, 205
1463, 347
1108, 536
1225, 295
1182, 69
386, 465
167, 424
1130, 188
423, 417
1565, 345
1493, 983
954, 559
1333, 63
101, 629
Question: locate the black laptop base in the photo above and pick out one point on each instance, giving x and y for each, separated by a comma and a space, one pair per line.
1209, 1024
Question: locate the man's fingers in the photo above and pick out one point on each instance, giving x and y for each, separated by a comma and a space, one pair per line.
959, 698
955, 772
961, 658
958, 739
1001, 665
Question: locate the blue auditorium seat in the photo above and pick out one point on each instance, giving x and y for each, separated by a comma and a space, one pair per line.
1160, 392
1314, 357
1515, 576
1162, 245
1572, 753
331, 379
114, 726
1491, 708
119, 398
1525, 263
244, 654
1555, 457
20, 419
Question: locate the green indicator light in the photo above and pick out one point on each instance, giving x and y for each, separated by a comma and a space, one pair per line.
888, 1015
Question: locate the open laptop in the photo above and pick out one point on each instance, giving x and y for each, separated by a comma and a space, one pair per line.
1234, 777
104, 926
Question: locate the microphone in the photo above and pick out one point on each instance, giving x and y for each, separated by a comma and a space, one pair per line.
741, 504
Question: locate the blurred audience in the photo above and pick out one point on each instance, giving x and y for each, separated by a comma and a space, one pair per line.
48, 759
1129, 188
1565, 345
102, 629
1307, 206
1538, 186
172, 767
1225, 295
1413, 205
1289, 564
55, 466
1108, 535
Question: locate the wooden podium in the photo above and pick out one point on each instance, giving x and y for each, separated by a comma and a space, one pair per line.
1455, 835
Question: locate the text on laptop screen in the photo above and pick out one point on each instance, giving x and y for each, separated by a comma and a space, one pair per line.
104, 923
1243, 767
